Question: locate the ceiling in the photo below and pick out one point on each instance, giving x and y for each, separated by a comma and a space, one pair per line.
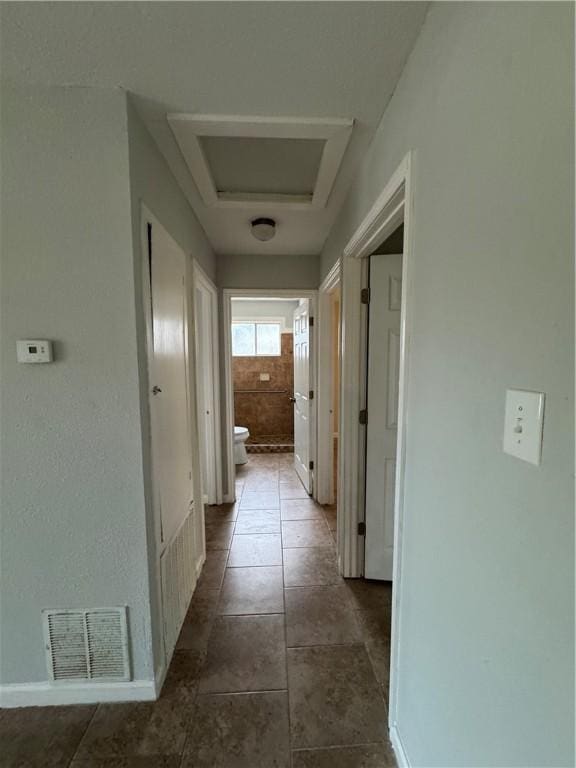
307, 60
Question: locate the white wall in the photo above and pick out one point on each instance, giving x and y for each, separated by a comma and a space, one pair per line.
260, 309
73, 507
487, 622
268, 272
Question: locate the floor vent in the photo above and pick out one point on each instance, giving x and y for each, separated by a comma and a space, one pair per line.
87, 645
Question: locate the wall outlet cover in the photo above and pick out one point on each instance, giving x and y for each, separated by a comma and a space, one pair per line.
523, 424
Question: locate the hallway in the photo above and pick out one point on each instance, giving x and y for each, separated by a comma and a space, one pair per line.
278, 656
275, 616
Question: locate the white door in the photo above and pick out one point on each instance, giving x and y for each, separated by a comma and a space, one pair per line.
302, 407
171, 445
383, 372
203, 316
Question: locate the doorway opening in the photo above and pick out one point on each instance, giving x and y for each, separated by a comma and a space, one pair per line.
373, 283
384, 299
270, 375
205, 302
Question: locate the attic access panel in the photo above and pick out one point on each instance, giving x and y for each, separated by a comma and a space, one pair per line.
265, 166
245, 161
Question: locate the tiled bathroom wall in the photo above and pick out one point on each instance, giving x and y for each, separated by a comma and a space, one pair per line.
264, 406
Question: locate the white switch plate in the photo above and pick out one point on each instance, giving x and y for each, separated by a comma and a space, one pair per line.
523, 422
264, 377
34, 351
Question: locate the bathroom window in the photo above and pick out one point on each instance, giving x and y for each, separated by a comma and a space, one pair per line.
255, 339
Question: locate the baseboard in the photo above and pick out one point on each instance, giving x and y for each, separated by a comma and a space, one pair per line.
399, 751
58, 694
199, 565
159, 678
229, 498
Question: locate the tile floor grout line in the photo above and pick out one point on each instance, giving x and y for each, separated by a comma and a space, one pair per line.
338, 746
88, 724
290, 761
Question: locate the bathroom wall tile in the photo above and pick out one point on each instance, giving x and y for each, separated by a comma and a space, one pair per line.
266, 413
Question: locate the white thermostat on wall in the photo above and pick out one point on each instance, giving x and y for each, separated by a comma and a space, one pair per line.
34, 351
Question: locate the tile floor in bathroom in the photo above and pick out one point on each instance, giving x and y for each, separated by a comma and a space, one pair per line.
281, 663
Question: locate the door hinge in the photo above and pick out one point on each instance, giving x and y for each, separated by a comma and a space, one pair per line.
363, 417
311, 323
311, 395
365, 296
310, 465
362, 529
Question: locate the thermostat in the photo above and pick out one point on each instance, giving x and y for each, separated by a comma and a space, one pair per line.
34, 351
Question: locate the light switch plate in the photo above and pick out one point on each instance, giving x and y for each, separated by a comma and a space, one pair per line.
523, 422
264, 377
34, 351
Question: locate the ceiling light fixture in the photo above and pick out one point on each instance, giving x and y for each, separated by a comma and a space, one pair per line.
263, 229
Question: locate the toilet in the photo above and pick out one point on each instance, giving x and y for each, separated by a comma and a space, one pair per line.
241, 434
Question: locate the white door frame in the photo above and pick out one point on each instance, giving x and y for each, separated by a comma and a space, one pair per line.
147, 217
324, 459
273, 293
214, 463
393, 206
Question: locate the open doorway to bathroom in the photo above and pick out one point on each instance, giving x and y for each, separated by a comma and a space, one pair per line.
271, 380
263, 376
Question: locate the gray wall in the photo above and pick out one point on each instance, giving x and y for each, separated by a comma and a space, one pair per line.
487, 623
153, 183
281, 308
73, 512
268, 272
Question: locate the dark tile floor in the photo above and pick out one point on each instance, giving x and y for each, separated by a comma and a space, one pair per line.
280, 663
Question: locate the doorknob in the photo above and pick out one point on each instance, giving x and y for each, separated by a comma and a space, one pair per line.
156, 390
292, 399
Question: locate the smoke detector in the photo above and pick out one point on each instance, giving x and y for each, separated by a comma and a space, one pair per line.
263, 229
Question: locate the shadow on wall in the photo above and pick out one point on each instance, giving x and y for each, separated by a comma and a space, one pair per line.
264, 407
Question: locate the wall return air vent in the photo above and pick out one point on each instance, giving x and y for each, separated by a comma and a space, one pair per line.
87, 645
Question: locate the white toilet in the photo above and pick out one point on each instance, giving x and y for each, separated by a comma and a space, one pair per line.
241, 434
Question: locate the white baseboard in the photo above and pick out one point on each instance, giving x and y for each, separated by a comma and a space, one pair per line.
199, 565
159, 678
399, 751
58, 694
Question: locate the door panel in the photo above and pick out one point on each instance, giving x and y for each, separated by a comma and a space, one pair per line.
381, 436
169, 381
302, 393
205, 383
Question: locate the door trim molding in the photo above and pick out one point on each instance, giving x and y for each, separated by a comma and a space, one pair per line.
325, 437
398, 747
274, 293
152, 501
201, 279
393, 205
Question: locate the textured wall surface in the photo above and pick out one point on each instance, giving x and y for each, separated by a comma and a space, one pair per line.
486, 671
73, 514
266, 413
